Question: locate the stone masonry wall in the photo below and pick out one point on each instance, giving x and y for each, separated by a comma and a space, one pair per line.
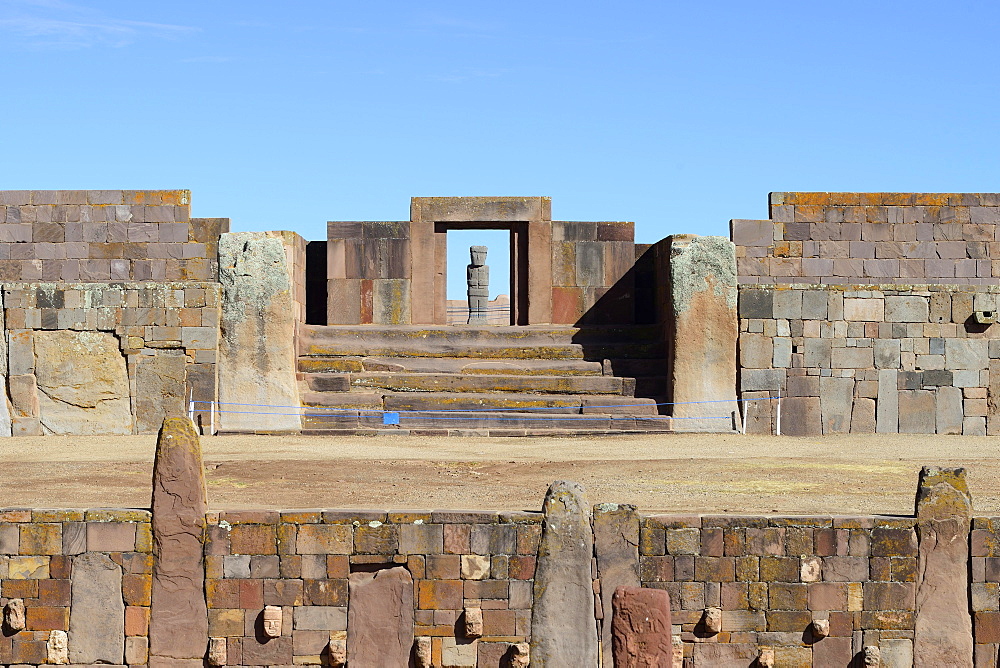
368, 272
866, 359
837, 238
105, 235
85, 572
590, 272
109, 358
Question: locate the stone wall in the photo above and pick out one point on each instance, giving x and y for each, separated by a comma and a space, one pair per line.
105, 235
868, 359
81, 572
368, 272
93, 358
591, 279
837, 238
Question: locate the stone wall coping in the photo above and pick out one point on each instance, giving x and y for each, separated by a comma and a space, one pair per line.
874, 287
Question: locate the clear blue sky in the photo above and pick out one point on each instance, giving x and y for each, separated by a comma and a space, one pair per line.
678, 116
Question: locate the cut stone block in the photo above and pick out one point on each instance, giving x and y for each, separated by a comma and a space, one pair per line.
886, 353
380, 619
864, 310
160, 387
616, 545
887, 408
563, 628
942, 633
97, 616
836, 404
257, 356
966, 353
863, 416
800, 416
641, 628
950, 410
706, 326
917, 411
906, 309
83, 385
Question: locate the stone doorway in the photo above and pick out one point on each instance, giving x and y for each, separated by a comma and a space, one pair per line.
518, 262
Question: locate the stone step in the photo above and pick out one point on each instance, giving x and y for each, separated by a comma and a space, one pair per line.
635, 368
347, 400
469, 421
549, 403
532, 342
463, 365
453, 382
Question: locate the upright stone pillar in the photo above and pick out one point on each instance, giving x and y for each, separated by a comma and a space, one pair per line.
703, 330
616, 545
178, 623
257, 356
942, 634
563, 626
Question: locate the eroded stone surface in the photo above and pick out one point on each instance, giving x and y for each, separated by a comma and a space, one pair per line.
159, 389
821, 628
942, 634
640, 627
711, 619
178, 625
519, 655
56, 650
616, 545
337, 649
13, 615
217, 652
380, 619
97, 616
257, 355
473, 619
82, 383
563, 628
422, 652
706, 326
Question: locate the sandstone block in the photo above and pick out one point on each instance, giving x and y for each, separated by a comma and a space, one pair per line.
13, 615
704, 298
380, 619
563, 631
641, 628
472, 620
178, 625
942, 633
217, 654
616, 545
917, 411
257, 356
906, 309
966, 354
422, 652
801, 416
160, 385
475, 567
97, 615
950, 410
836, 404
56, 650
867, 310
82, 383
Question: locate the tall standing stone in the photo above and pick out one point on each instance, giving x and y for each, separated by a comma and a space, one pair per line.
178, 624
942, 634
641, 628
380, 619
97, 615
257, 356
616, 545
563, 627
705, 326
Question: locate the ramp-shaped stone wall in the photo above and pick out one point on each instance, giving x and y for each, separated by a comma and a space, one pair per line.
105, 235
887, 359
848, 238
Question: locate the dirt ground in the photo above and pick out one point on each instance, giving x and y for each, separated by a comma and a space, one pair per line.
684, 473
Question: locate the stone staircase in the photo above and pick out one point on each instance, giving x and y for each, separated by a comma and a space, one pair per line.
474, 380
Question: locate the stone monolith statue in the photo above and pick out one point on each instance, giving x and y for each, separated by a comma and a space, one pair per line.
478, 278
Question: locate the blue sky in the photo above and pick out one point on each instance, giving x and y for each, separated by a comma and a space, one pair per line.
678, 116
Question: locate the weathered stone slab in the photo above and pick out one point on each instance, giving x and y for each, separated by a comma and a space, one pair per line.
380, 619
159, 389
706, 326
178, 624
641, 628
616, 545
917, 412
966, 354
836, 397
800, 416
887, 408
97, 616
886, 353
906, 309
950, 412
863, 416
942, 633
82, 383
257, 353
563, 628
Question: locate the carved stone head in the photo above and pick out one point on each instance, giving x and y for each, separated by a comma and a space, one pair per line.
478, 254
272, 621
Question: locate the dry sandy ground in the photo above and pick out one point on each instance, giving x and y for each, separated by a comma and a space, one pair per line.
675, 473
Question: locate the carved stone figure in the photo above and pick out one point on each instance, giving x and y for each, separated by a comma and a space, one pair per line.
56, 649
478, 279
13, 614
338, 650
218, 654
272, 621
473, 622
